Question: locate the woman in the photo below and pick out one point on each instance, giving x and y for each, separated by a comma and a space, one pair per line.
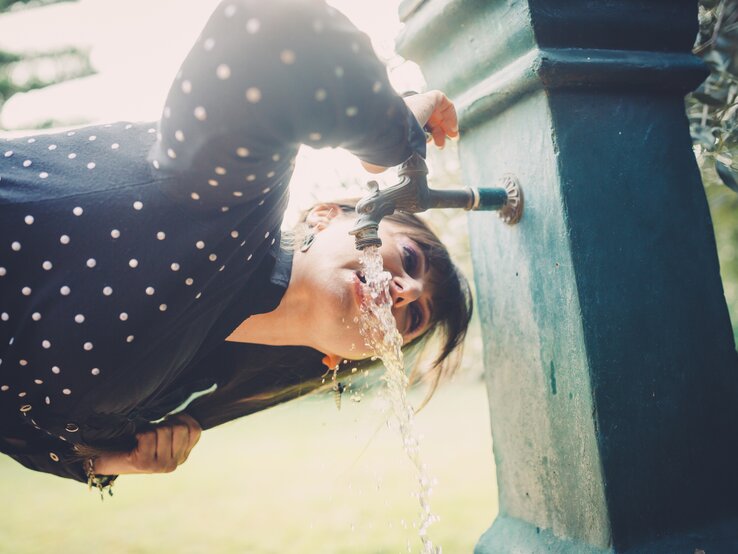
141, 269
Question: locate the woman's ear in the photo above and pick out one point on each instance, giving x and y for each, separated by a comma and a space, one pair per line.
331, 361
321, 215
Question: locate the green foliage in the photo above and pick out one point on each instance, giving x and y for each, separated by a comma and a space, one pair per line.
713, 114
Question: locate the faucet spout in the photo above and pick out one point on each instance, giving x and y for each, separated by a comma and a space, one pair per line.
412, 195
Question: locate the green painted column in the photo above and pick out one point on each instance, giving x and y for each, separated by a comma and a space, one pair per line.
609, 358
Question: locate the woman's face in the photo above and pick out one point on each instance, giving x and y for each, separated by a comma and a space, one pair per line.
328, 275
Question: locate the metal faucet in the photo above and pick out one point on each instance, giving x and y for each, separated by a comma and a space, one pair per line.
412, 194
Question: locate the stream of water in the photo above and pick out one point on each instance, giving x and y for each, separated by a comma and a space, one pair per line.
380, 333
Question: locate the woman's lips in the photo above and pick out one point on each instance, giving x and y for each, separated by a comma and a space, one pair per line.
358, 291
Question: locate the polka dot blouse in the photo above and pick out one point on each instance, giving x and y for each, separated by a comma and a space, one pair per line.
128, 249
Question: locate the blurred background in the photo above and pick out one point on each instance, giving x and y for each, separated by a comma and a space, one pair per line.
303, 477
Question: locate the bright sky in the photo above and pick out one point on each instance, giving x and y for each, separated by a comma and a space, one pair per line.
136, 51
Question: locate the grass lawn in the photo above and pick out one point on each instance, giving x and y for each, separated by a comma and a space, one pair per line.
299, 478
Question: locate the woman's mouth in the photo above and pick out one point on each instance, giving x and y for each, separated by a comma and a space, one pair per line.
359, 281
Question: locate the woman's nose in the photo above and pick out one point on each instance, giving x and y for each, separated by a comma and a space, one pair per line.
404, 290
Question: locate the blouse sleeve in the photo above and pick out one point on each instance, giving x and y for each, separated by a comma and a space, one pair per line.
265, 77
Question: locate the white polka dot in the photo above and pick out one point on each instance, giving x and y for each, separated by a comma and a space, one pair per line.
186, 86
273, 241
79, 318
66, 392
167, 112
198, 295
270, 174
65, 290
224, 209
115, 146
53, 456
64, 239
27, 163
320, 95
46, 344
174, 266
189, 281
87, 346
92, 138
72, 156
179, 135
376, 87
221, 268
133, 262
162, 307
91, 165
200, 113
261, 203
212, 257
220, 170
223, 71
355, 47
237, 193
38, 381
55, 370
4, 271
195, 196
234, 234
8, 153
200, 245
91, 263
243, 243
16, 246
155, 163
29, 220
95, 371
4, 316
137, 205
253, 95
47, 265
242, 152
4, 388
52, 146
23, 363
251, 177
150, 291
31, 140
339, 72
115, 233
43, 175
315, 136
123, 316
78, 211
107, 291
253, 25
128, 126
212, 182
161, 235
264, 191
351, 111
249, 257
287, 57
209, 44
36, 316
230, 10
171, 153
129, 338
26, 291
266, 235
47, 400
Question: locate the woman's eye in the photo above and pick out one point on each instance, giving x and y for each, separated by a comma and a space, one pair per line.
409, 259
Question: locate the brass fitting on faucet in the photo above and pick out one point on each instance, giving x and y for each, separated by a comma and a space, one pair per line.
412, 195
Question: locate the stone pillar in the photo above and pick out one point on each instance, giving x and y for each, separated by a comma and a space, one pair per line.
609, 358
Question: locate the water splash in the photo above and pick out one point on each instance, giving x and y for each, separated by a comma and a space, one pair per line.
377, 326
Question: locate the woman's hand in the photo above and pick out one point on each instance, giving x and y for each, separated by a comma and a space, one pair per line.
159, 450
436, 113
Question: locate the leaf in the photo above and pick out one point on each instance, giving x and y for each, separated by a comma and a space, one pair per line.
727, 175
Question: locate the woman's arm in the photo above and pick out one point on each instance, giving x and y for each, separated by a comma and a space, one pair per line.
265, 77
